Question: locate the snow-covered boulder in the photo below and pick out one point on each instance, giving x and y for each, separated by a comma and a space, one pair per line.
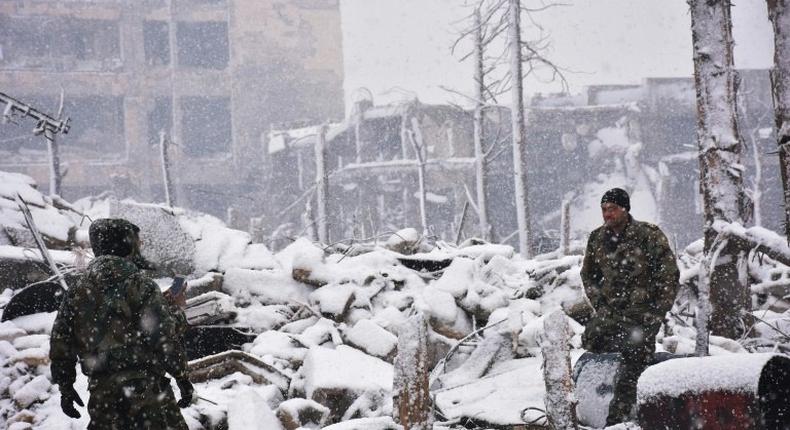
267, 287
249, 410
337, 377
302, 413
372, 339
165, 243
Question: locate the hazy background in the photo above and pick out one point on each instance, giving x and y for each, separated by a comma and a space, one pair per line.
395, 45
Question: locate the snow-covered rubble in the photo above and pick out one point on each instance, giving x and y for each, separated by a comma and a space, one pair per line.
328, 321
56, 220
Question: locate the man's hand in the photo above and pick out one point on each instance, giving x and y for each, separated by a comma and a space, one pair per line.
187, 391
67, 398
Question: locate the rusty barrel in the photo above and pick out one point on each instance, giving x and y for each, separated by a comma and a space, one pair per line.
723, 392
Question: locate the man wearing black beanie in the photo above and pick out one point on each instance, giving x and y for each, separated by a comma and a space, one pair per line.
631, 278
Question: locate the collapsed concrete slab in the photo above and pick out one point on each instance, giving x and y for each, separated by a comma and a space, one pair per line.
167, 245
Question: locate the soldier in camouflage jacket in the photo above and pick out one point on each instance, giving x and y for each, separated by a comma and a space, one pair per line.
631, 277
115, 323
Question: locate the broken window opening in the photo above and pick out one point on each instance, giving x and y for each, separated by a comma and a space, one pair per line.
60, 43
203, 44
206, 125
156, 39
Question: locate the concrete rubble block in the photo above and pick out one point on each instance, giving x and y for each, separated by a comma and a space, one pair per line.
335, 378
249, 410
166, 244
9, 331
20, 426
377, 423
23, 416
493, 349
228, 362
32, 356
34, 391
31, 341
211, 281
210, 308
373, 340
334, 300
406, 241
444, 314
304, 413
265, 287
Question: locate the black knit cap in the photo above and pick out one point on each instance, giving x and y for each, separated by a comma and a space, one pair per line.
113, 236
617, 196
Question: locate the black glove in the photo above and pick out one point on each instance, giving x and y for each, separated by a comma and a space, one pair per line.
187, 390
67, 398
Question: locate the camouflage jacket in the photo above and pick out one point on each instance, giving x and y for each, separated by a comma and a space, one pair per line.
115, 322
633, 279
180, 321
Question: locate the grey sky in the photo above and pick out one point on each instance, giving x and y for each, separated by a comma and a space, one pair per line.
406, 44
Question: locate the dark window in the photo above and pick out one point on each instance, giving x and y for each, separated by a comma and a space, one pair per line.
160, 119
157, 43
203, 44
60, 43
97, 124
206, 125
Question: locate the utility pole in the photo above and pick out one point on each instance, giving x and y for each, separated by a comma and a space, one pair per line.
46, 125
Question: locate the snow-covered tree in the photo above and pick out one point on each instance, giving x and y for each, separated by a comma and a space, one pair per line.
779, 12
721, 171
493, 19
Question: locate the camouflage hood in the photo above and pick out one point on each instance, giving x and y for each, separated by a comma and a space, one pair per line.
109, 270
113, 236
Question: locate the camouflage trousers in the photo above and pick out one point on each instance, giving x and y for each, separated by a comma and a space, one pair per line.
636, 345
121, 403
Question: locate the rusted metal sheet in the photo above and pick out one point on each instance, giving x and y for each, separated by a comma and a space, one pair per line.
718, 410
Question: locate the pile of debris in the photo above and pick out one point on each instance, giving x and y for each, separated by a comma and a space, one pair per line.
307, 337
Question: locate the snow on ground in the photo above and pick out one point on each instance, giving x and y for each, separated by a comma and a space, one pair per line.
329, 321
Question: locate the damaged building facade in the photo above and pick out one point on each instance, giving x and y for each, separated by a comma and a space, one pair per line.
225, 70
639, 136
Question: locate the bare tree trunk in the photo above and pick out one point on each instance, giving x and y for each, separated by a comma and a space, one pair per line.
412, 402
322, 185
757, 186
55, 177
519, 142
704, 307
419, 150
565, 227
719, 143
164, 159
560, 401
779, 12
480, 156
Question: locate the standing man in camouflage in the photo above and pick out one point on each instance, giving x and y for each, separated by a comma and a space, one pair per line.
631, 278
116, 324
